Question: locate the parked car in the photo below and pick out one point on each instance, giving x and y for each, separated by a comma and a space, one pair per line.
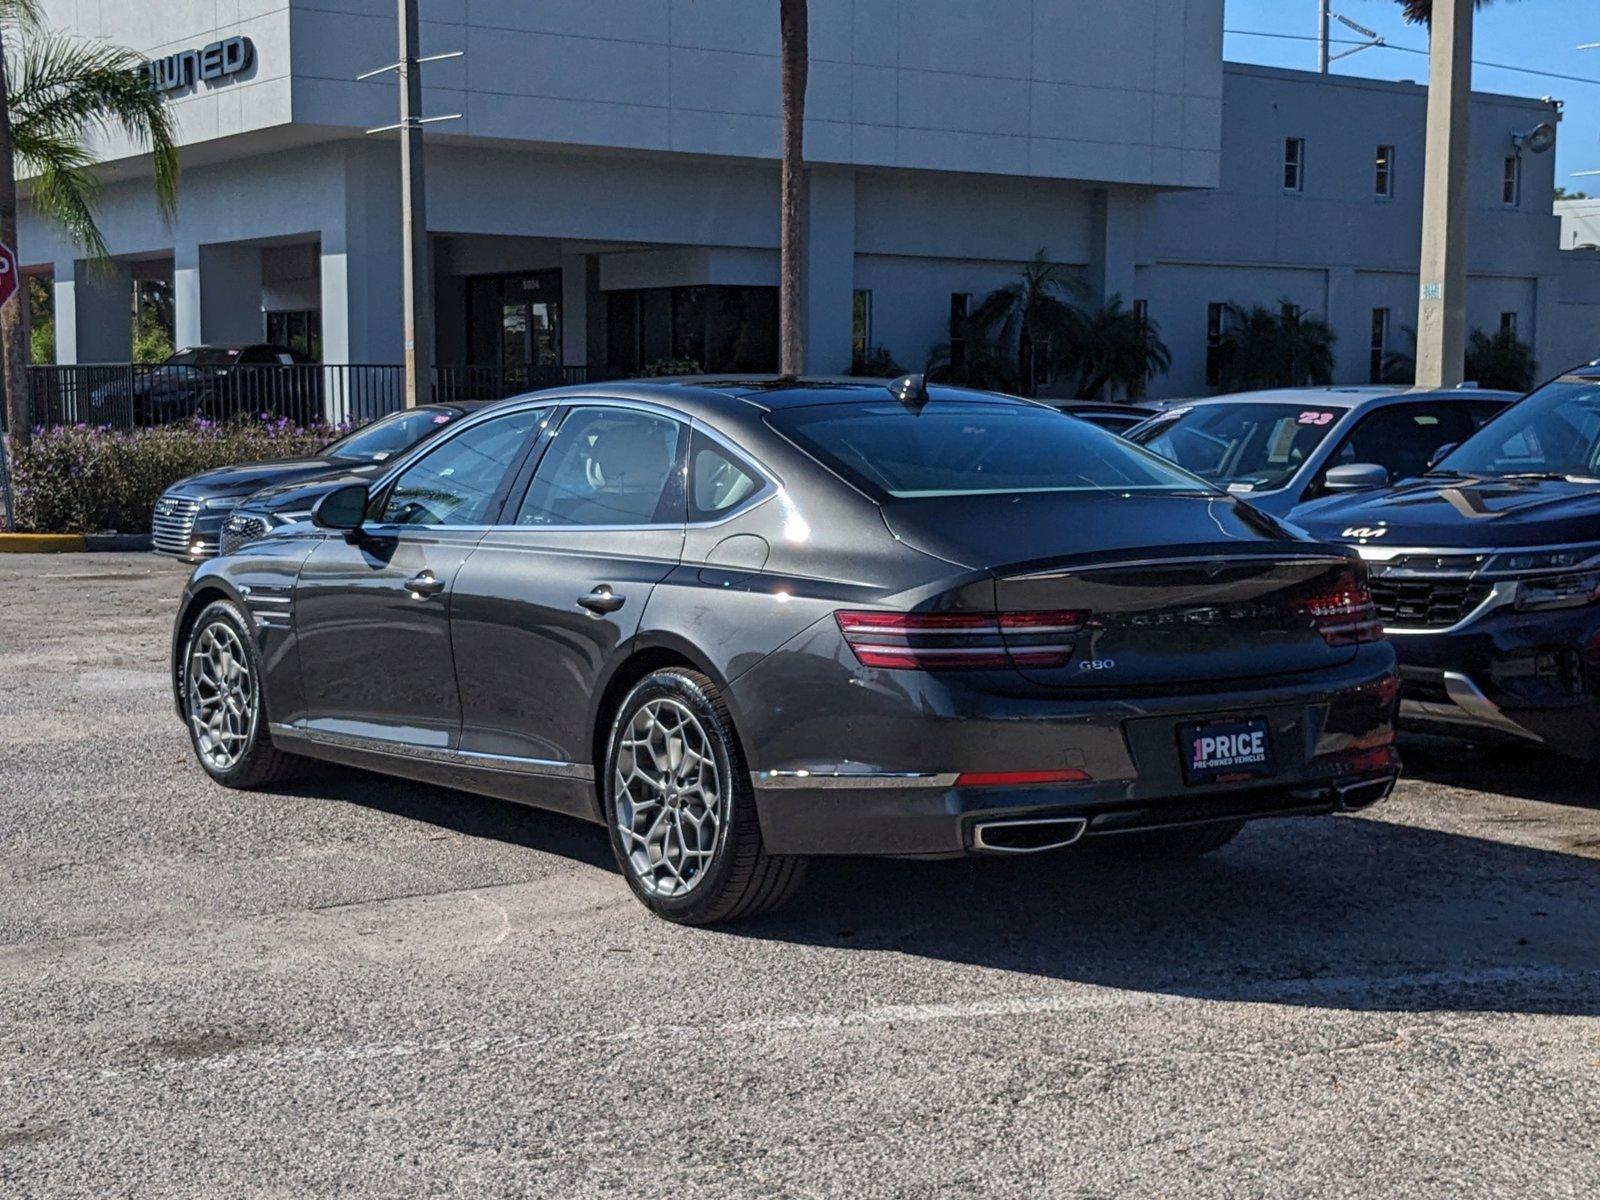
1118, 418
742, 623
215, 382
1486, 572
189, 517
1283, 447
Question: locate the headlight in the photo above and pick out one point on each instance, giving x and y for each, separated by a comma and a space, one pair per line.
217, 502
1559, 591
1542, 559
289, 518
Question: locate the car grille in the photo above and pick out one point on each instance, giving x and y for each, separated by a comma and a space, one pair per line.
241, 530
1424, 603
172, 523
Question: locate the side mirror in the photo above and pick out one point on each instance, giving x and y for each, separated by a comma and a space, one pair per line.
343, 509
1440, 454
1355, 477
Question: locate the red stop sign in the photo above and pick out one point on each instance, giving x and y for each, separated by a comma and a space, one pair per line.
8, 274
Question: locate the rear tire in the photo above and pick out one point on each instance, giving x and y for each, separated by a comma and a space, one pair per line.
1173, 845
680, 809
223, 705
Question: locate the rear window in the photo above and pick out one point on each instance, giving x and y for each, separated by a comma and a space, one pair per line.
1242, 447
971, 447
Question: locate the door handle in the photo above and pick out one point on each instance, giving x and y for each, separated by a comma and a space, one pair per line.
602, 600
425, 585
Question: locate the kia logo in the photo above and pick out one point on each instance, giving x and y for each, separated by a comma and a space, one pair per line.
1362, 532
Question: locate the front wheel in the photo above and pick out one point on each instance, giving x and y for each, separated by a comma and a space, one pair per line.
680, 809
222, 701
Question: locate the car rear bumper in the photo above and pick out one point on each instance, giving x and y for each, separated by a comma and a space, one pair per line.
1530, 678
877, 770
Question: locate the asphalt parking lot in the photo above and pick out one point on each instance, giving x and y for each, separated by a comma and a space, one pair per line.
364, 987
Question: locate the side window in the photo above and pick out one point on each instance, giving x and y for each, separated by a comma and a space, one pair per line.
1403, 437
718, 481
454, 484
608, 466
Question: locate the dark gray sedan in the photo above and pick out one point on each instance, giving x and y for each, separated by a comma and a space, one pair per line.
190, 518
740, 623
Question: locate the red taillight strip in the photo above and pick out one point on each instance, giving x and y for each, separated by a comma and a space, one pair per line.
961, 641
1020, 778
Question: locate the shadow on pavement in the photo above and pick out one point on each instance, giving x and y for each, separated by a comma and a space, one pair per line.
1348, 913
1529, 773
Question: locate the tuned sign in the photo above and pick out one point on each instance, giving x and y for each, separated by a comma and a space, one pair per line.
207, 64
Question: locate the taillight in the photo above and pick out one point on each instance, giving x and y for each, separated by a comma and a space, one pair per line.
1344, 614
961, 641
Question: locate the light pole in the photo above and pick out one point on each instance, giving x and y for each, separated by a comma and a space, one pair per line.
1442, 297
418, 291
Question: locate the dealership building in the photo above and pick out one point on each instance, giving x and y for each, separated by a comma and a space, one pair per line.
608, 194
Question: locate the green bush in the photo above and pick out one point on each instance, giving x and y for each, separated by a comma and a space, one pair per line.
88, 478
671, 366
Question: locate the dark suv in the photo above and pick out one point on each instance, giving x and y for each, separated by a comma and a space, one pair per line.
1486, 573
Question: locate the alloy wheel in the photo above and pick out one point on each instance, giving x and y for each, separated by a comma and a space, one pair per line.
221, 695
671, 800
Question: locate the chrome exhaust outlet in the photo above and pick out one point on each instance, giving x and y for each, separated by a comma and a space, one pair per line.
1031, 836
1353, 797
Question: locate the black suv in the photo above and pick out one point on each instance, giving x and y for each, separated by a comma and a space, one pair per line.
1486, 573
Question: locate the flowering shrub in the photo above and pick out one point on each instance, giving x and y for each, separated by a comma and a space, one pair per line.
88, 478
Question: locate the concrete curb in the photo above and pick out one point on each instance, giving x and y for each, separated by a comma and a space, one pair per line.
41, 543
66, 543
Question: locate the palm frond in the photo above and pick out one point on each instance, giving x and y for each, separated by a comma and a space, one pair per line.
62, 91
1420, 12
25, 16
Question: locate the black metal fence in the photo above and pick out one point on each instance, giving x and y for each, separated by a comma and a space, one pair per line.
130, 395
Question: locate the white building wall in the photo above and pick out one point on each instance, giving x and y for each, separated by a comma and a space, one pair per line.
1069, 89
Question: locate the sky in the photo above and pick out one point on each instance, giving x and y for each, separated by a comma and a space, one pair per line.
1539, 34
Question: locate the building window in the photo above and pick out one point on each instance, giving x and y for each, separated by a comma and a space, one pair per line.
1383, 172
1511, 181
1508, 323
723, 329
1380, 343
959, 303
1294, 164
1216, 326
861, 324
300, 330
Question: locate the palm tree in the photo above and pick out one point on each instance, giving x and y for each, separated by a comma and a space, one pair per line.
1262, 348
1499, 360
1017, 336
55, 94
1116, 350
1420, 12
795, 57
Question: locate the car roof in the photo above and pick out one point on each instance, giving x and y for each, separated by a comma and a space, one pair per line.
712, 394
1345, 397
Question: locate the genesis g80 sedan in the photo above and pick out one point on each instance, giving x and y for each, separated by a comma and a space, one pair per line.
740, 623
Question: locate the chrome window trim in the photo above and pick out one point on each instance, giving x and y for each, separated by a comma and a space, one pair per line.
798, 779
456, 429
543, 768
771, 484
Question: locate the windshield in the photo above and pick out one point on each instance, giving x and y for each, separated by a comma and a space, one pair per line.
1555, 431
971, 448
204, 356
385, 438
1242, 447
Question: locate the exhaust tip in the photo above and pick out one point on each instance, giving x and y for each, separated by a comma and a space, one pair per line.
1353, 797
1031, 836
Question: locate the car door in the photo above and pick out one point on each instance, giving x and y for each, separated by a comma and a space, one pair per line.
1401, 438
551, 592
372, 611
